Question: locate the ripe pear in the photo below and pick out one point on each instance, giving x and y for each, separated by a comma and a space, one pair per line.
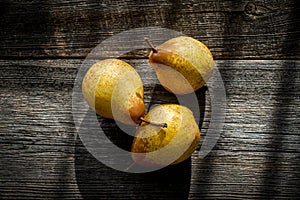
156, 144
113, 89
182, 64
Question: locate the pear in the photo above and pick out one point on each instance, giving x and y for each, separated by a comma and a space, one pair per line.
182, 64
113, 89
169, 134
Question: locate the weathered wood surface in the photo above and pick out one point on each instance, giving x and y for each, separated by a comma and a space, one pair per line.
256, 157
231, 29
42, 45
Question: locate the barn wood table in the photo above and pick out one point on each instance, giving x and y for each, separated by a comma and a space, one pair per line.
256, 48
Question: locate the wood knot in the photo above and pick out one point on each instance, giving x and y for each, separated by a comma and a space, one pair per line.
257, 10
250, 8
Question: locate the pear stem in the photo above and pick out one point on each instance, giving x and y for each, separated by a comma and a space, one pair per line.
151, 45
163, 125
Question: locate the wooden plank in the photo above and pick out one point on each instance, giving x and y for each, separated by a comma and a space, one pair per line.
231, 29
256, 157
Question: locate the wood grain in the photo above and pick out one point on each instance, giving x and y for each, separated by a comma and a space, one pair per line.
256, 157
256, 47
231, 29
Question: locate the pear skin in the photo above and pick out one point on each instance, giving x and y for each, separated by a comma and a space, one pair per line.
113, 89
182, 64
160, 146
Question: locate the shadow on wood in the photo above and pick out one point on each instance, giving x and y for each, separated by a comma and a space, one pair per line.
275, 162
97, 181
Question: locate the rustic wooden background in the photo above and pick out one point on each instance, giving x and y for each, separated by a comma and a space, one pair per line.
256, 47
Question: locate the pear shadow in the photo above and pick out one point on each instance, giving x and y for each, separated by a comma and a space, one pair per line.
95, 180
117, 136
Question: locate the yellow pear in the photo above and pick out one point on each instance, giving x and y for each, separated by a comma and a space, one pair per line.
113, 89
168, 134
182, 64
